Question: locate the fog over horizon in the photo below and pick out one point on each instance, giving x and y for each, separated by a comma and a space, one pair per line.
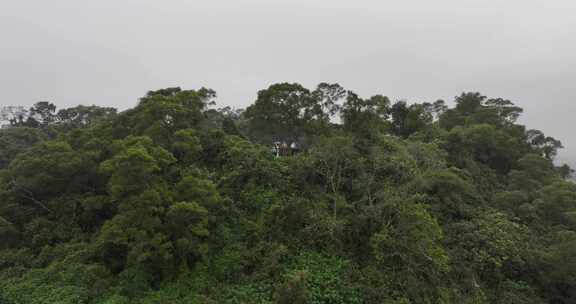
110, 53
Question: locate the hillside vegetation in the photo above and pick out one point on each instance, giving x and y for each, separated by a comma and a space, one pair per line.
175, 201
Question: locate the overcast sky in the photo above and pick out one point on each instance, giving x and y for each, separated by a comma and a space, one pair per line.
110, 52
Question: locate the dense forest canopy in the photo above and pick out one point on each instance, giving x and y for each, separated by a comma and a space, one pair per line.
176, 201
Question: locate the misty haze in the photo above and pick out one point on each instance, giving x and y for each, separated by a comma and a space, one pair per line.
298, 151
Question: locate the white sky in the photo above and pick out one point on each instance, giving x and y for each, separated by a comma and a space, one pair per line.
110, 52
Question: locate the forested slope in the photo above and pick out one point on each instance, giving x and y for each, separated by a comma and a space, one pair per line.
174, 201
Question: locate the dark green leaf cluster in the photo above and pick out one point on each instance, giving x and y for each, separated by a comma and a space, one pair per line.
174, 201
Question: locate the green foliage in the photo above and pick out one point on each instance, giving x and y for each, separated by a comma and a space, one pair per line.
65, 276
135, 165
314, 278
294, 290
173, 202
187, 146
290, 111
16, 140
408, 248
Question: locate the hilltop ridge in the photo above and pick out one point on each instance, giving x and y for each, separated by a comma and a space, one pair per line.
173, 201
